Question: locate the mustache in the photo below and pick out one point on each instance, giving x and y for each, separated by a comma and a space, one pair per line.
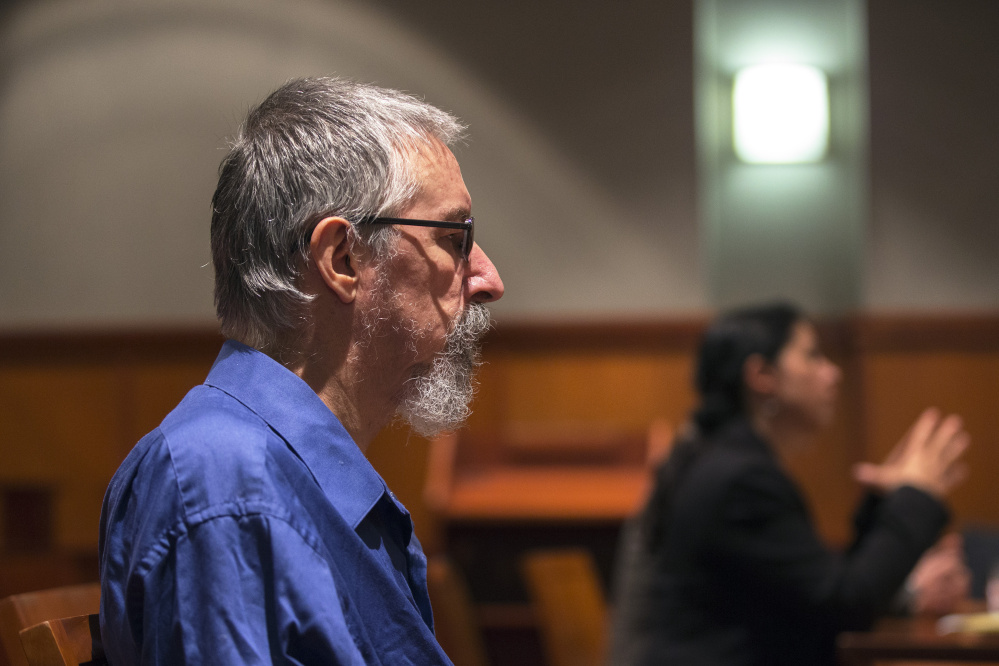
468, 329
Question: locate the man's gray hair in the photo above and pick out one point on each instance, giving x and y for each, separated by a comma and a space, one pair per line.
316, 147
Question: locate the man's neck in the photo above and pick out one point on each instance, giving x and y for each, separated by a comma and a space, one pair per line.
334, 389
350, 378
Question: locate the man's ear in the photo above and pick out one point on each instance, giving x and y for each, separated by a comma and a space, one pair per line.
759, 375
330, 251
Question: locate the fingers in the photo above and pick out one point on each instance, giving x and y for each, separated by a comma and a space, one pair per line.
898, 451
931, 455
945, 431
942, 438
872, 476
928, 457
924, 428
923, 425
954, 476
952, 445
940, 579
946, 446
914, 441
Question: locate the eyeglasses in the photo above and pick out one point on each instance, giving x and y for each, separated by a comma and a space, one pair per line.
468, 226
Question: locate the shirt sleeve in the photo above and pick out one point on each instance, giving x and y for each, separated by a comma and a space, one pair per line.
245, 589
767, 545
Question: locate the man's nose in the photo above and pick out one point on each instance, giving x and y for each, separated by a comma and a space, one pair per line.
484, 284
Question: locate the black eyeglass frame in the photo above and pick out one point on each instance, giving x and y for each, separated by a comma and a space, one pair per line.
468, 226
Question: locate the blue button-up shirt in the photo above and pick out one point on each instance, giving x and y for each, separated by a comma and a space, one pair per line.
250, 529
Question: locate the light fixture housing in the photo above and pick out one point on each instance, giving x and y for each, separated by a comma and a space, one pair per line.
780, 114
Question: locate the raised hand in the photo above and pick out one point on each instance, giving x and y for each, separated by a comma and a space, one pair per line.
928, 457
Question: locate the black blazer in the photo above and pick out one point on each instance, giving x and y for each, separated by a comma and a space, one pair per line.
724, 566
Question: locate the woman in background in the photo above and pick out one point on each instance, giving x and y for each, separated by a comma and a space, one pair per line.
723, 566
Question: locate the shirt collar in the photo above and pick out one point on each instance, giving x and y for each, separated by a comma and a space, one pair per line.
297, 414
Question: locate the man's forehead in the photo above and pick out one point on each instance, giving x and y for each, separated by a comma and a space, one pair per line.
439, 181
426, 151
434, 160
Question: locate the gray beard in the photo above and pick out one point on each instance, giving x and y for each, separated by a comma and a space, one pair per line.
436, 398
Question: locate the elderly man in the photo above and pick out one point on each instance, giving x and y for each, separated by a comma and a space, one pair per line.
249, 527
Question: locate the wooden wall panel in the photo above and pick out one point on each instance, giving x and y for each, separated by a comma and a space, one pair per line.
627, 390
56, 428
899, 385
154, 389
823, 467
71, 406
401, 458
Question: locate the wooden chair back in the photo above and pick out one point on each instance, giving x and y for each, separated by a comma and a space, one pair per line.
21, 611
569, 605
455, 619
70, 641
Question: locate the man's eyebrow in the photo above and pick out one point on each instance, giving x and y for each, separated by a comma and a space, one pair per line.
456, 214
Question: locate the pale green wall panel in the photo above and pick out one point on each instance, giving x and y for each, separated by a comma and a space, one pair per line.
783, 231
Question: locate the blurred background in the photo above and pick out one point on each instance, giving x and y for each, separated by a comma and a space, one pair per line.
606, 192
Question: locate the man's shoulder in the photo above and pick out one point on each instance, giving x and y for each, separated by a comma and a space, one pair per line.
212, 467
210, 416
213, 451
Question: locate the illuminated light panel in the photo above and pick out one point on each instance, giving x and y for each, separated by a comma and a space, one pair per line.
780, 114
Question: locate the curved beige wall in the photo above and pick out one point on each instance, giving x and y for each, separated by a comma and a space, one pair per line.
934, 238
581, 161
113, 121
